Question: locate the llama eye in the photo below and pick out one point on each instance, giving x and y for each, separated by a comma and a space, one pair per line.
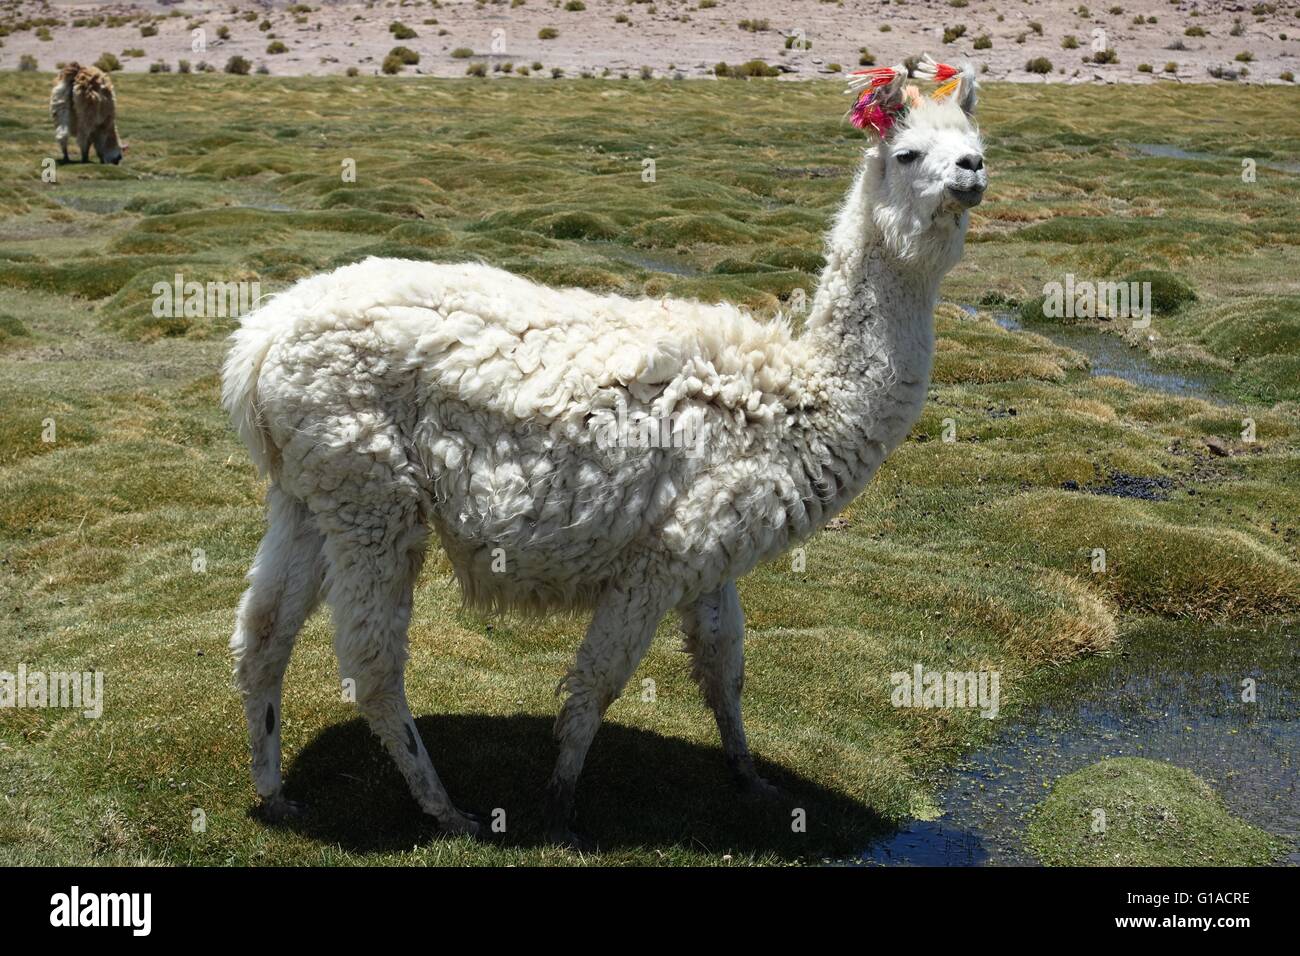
907, 156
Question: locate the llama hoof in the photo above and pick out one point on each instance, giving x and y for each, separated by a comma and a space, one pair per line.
279, 810
462, 824
567, 839
758, 788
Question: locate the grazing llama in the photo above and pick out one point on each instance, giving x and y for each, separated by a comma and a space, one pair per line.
388, 399
83, 106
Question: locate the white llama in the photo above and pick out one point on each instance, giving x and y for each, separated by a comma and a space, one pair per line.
390, 398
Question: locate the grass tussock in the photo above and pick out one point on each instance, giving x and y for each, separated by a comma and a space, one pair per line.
1134, 812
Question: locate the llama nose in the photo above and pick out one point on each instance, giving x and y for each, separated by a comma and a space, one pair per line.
974, 162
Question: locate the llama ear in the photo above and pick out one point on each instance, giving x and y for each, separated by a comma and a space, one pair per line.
967, 89
952, 79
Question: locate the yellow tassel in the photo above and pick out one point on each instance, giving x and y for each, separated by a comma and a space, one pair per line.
947, 88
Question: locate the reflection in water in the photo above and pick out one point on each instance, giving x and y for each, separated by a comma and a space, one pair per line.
1172, 694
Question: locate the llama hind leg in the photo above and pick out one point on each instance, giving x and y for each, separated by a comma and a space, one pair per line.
714, 625
372, 579
283, 586
619, 635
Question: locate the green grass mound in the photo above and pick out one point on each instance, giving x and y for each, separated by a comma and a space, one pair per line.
12, 331
1169, 293
1152, 563
1134, 812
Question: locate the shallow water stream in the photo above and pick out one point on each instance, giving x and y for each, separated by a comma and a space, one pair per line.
1172, 693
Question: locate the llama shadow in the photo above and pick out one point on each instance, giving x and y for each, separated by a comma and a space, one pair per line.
639, 789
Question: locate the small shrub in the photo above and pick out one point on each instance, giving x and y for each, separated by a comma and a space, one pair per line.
755, 68
108, 63
952, 34
404, 53
460, 53
1144, 67
1286, 76
1039, 64
160, 66
754, 26
1171, 67
27, 63
238, 66
275, 46
707, 4
401, 31
1105, 56
148, 30
476, 69
1069, 42
1238, 28
1036, 27
264, 25
575, 6
352, 71
983, 42
556, 72
1245, 56
547, 33
182, 66
1194, 32
866, 58
134, 51
223, 33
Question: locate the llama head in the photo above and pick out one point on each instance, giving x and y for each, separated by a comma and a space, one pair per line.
926, 168
109, 147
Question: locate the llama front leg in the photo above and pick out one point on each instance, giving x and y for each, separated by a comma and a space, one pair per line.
619, 635
714, 625
372, 578
282, 588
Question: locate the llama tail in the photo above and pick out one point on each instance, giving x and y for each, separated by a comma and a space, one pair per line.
61, 102
250, 344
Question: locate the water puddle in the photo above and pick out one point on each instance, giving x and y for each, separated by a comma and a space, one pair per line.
1173, 694
1164, 151
100, 205
1110, 355
651, 261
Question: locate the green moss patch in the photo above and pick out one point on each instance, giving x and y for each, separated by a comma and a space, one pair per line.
1133, 812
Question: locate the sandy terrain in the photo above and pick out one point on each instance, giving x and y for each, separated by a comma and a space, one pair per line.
678, 37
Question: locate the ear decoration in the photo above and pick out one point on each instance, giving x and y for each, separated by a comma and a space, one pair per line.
960, 80
880, 98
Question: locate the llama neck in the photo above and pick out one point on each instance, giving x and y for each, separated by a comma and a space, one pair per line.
870, 338
871, 324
